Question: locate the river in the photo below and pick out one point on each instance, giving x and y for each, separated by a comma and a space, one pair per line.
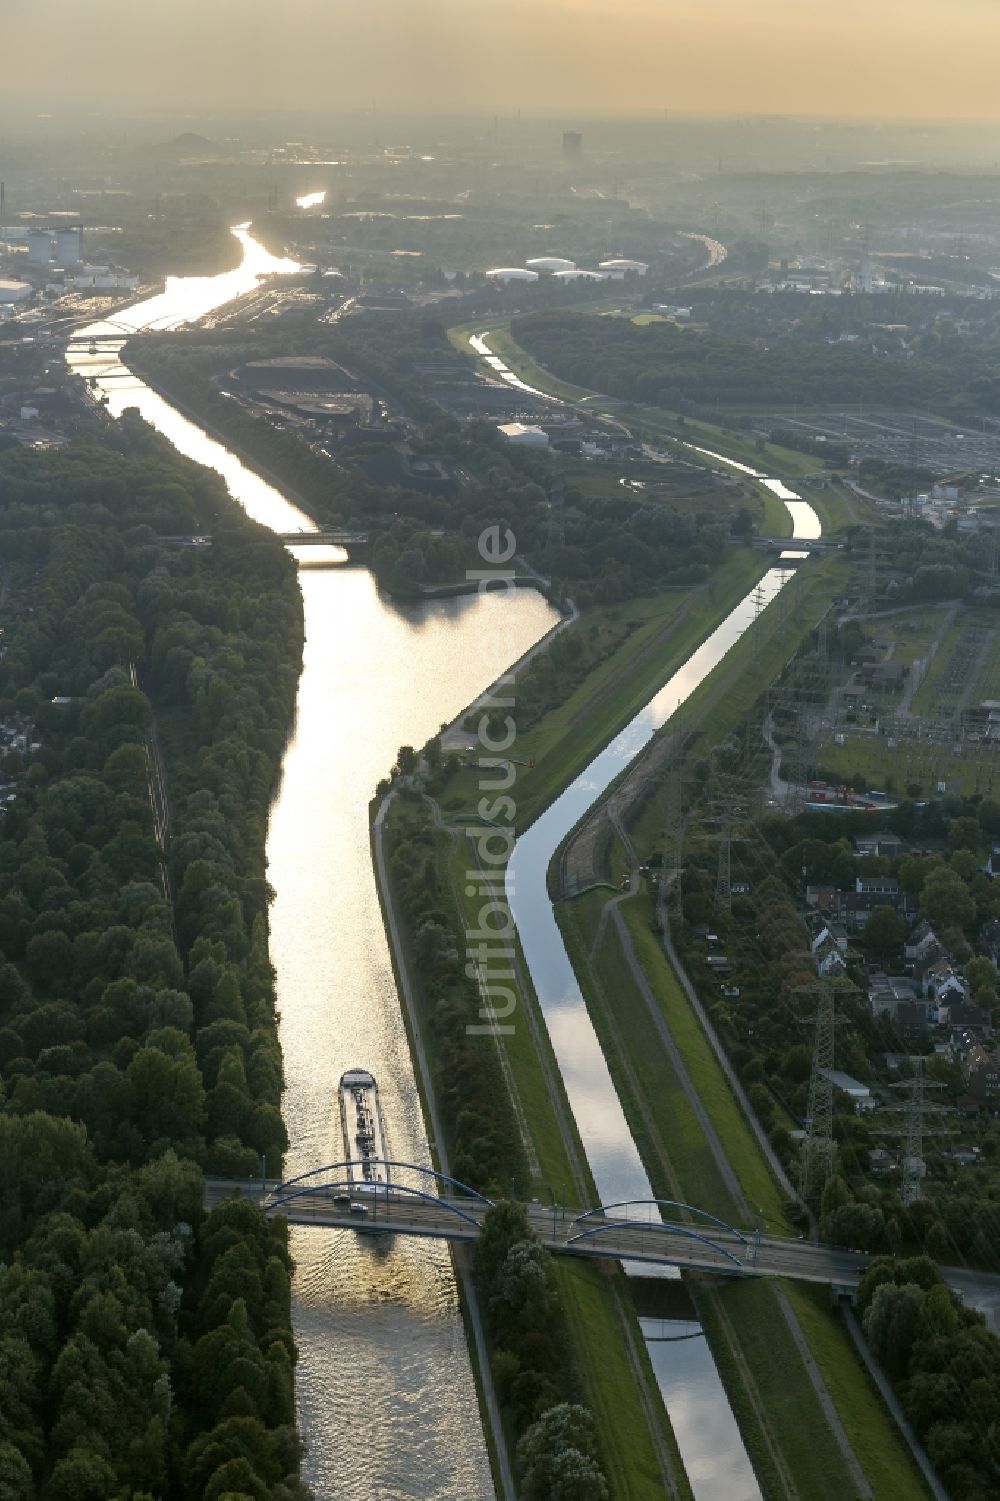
387, 1403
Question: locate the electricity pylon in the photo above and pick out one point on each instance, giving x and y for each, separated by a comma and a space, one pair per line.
915, 1111
816, 1160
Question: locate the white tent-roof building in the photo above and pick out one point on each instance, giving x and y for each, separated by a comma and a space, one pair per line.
619, 267
577, 274
553, 263
512, 273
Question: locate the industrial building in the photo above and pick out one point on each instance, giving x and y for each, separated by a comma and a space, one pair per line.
512, 273
69, 246
524, 434
12, 290
39, 247
64, 246
576, 273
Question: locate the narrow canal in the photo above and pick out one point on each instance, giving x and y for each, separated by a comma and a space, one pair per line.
709, 1439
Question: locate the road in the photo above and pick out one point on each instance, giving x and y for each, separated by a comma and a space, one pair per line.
640, 1236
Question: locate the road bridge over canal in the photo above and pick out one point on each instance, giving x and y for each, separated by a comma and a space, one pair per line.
656, 1231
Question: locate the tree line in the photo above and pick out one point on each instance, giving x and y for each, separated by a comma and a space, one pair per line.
666, 365
145, 1348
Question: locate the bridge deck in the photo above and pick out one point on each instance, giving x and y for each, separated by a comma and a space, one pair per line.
563, 1232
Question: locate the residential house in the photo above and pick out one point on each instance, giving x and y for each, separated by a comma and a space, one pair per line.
858, 1093
982, 1078
922, 944
826, 899
942, 983
989, 940
886, 887
881, 1162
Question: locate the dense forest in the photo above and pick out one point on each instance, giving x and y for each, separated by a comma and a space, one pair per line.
678, 368
945, 1365
145, 1348
600, 548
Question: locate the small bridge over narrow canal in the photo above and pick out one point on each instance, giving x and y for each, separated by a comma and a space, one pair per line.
796, 546
351, 541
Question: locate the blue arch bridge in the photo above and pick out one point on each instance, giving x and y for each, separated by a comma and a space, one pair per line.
416, 1200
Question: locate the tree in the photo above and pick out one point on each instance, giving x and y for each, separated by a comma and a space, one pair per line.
946, 901
558, 1457
169, 1100
892, 1321
965, 834
406, 760
82, 1476
884, 931
982, 976
16, 1480
505, 1224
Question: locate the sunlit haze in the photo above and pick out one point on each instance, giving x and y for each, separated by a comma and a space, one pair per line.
898, 58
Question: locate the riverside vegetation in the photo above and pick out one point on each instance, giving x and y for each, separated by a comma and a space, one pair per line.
610, 544
145, 1348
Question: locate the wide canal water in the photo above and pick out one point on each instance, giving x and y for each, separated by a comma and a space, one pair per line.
387, 1403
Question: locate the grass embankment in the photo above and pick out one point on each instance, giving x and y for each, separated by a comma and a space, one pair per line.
571, 733
671, 1142
868, 1423
594, 1297
794, 1450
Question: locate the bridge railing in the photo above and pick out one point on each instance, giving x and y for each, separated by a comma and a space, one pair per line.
383, 1162
626, 1204
370, 1195
665, 1227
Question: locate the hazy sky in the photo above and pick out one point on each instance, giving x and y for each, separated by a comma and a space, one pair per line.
870, 58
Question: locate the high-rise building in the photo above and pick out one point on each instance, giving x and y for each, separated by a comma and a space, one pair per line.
572, 144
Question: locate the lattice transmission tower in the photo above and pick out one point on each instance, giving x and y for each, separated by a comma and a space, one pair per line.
816, 1160
916, 1111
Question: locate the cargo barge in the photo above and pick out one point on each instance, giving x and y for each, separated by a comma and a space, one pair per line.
365, 1149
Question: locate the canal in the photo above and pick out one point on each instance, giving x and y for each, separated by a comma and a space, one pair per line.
387, 1403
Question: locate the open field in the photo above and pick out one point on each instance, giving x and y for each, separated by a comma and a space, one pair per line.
760, 1190
666, 1130
751, 1337
917, 763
